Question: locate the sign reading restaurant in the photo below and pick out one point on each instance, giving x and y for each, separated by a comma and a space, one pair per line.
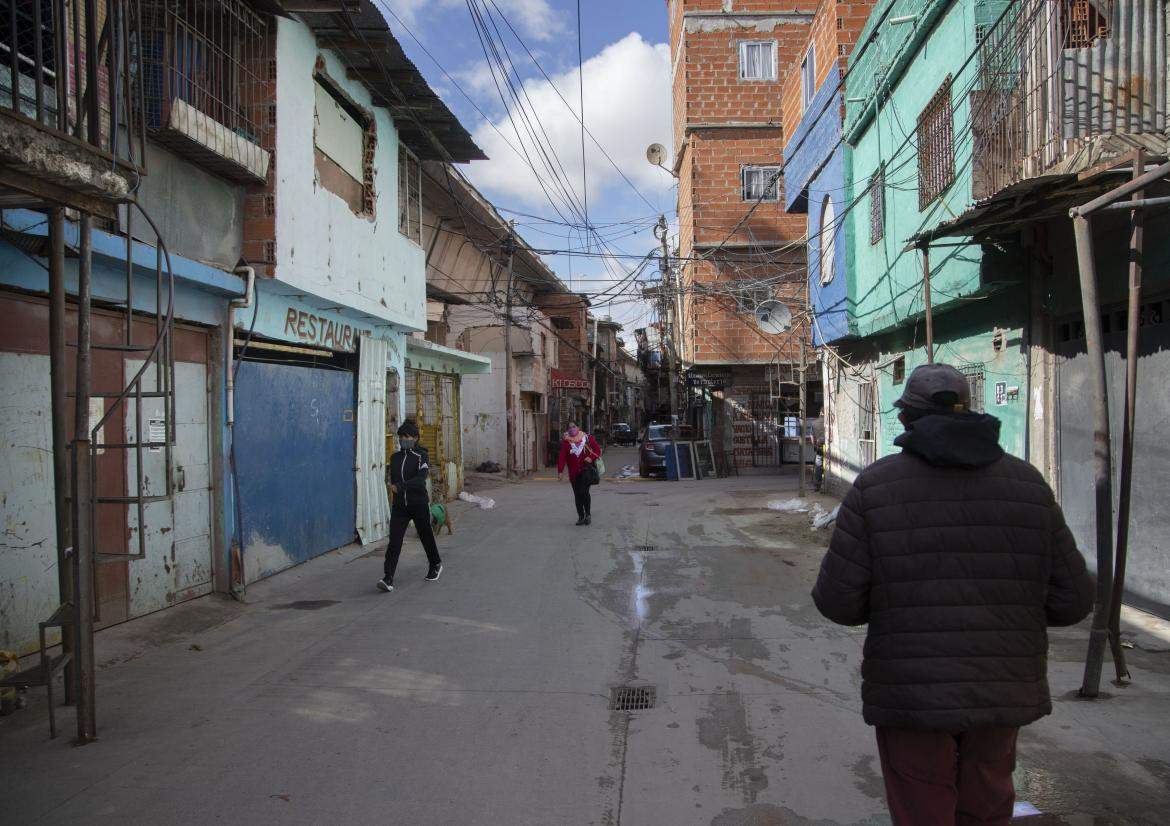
311, 328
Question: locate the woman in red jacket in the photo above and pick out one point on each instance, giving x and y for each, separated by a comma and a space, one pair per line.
578, 450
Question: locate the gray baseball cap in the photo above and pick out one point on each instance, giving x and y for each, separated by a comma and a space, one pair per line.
937, 387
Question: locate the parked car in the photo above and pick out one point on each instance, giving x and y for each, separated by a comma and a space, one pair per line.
622, 434
652, 453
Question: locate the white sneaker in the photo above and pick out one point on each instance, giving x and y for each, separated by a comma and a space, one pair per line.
434, 572
385, 586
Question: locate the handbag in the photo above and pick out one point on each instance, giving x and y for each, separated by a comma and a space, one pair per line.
591, 474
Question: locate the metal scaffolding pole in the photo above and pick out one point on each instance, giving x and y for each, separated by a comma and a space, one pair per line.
83, 480
58, 402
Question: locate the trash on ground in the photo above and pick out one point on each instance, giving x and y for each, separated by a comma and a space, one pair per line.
483, 501
628, 470
1024, 809
489, 467
822, 519
789, 505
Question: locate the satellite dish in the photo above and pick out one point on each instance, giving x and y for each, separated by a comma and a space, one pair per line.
656, 154
773, 317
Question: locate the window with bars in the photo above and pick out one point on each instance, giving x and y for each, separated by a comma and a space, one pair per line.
209, 55
936, 146
757, 60
1084, 22
760, 183
899, 370
877, 205
974, 374
409, 195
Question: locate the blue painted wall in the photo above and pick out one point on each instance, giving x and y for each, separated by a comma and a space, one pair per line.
814, 169
294, 463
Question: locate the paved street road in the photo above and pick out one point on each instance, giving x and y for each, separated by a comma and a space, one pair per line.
485, 698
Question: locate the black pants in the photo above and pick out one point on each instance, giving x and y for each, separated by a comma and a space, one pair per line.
400, 518
581, 496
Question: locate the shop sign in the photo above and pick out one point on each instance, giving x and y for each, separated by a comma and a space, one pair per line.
708, 378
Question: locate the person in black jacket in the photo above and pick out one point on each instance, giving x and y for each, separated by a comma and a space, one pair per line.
407, 474
958, 557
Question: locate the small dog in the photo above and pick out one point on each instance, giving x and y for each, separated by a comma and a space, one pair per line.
440, 516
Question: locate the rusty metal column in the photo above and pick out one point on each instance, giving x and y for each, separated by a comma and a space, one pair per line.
57, 383
929, 309
1132, 330
1102, 458
83, 567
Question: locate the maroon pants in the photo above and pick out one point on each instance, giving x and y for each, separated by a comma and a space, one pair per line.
943, 778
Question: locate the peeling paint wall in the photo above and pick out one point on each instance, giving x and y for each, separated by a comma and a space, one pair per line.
485, 432
322, 247
28, 543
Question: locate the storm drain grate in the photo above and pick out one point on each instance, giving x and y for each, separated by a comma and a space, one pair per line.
644, 548
633, 698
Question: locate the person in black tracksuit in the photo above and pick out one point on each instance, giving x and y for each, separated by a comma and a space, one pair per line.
407, 473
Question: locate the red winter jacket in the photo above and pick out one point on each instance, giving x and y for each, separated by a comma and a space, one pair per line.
577, 463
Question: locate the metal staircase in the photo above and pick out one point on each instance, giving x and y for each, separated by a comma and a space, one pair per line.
75, 75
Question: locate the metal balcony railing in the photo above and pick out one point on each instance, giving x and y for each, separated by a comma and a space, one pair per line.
68, 66
1064, 85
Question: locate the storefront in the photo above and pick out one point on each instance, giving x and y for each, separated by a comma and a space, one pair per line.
314, 393
431, 394
170, 551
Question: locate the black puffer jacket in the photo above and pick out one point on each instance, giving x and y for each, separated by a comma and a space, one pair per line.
958, 557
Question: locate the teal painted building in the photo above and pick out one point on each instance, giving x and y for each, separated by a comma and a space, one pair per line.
909, 97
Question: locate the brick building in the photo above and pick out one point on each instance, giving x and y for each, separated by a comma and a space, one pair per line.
738, 246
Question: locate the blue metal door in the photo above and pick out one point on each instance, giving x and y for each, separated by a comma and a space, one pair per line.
294, 456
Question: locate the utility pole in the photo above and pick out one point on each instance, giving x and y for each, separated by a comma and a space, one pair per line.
803, 414
510, 249
668, 332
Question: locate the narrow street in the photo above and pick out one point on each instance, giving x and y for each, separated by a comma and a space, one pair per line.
484, 698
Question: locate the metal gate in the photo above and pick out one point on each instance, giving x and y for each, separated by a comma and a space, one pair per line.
767, 430
295, 449
1149, 539
432, 400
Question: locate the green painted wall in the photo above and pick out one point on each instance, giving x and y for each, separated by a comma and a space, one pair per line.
967, 340
894, 80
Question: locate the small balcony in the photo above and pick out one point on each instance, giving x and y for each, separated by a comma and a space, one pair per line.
1065, 86
71, 125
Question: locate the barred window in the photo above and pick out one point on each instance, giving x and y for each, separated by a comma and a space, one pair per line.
877, 205
208, 56
936, 146
974, 374
409, 195
761, 183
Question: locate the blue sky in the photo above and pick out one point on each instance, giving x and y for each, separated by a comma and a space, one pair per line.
627, 107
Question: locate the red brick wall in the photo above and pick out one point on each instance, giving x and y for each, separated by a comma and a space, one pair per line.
834, 32
706, 89
717, 157
574, 341
260, 201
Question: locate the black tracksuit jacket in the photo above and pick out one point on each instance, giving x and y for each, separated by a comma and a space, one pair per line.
407, 470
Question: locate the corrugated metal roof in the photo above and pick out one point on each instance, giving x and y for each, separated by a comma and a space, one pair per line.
376, 58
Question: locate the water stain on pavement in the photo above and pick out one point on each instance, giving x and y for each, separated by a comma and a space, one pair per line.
724, 729
305, 605
1105, 785
766, 814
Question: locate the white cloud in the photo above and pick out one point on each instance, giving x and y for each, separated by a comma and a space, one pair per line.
534, 18
627, 107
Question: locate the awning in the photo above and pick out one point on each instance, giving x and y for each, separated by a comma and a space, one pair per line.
435, 358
